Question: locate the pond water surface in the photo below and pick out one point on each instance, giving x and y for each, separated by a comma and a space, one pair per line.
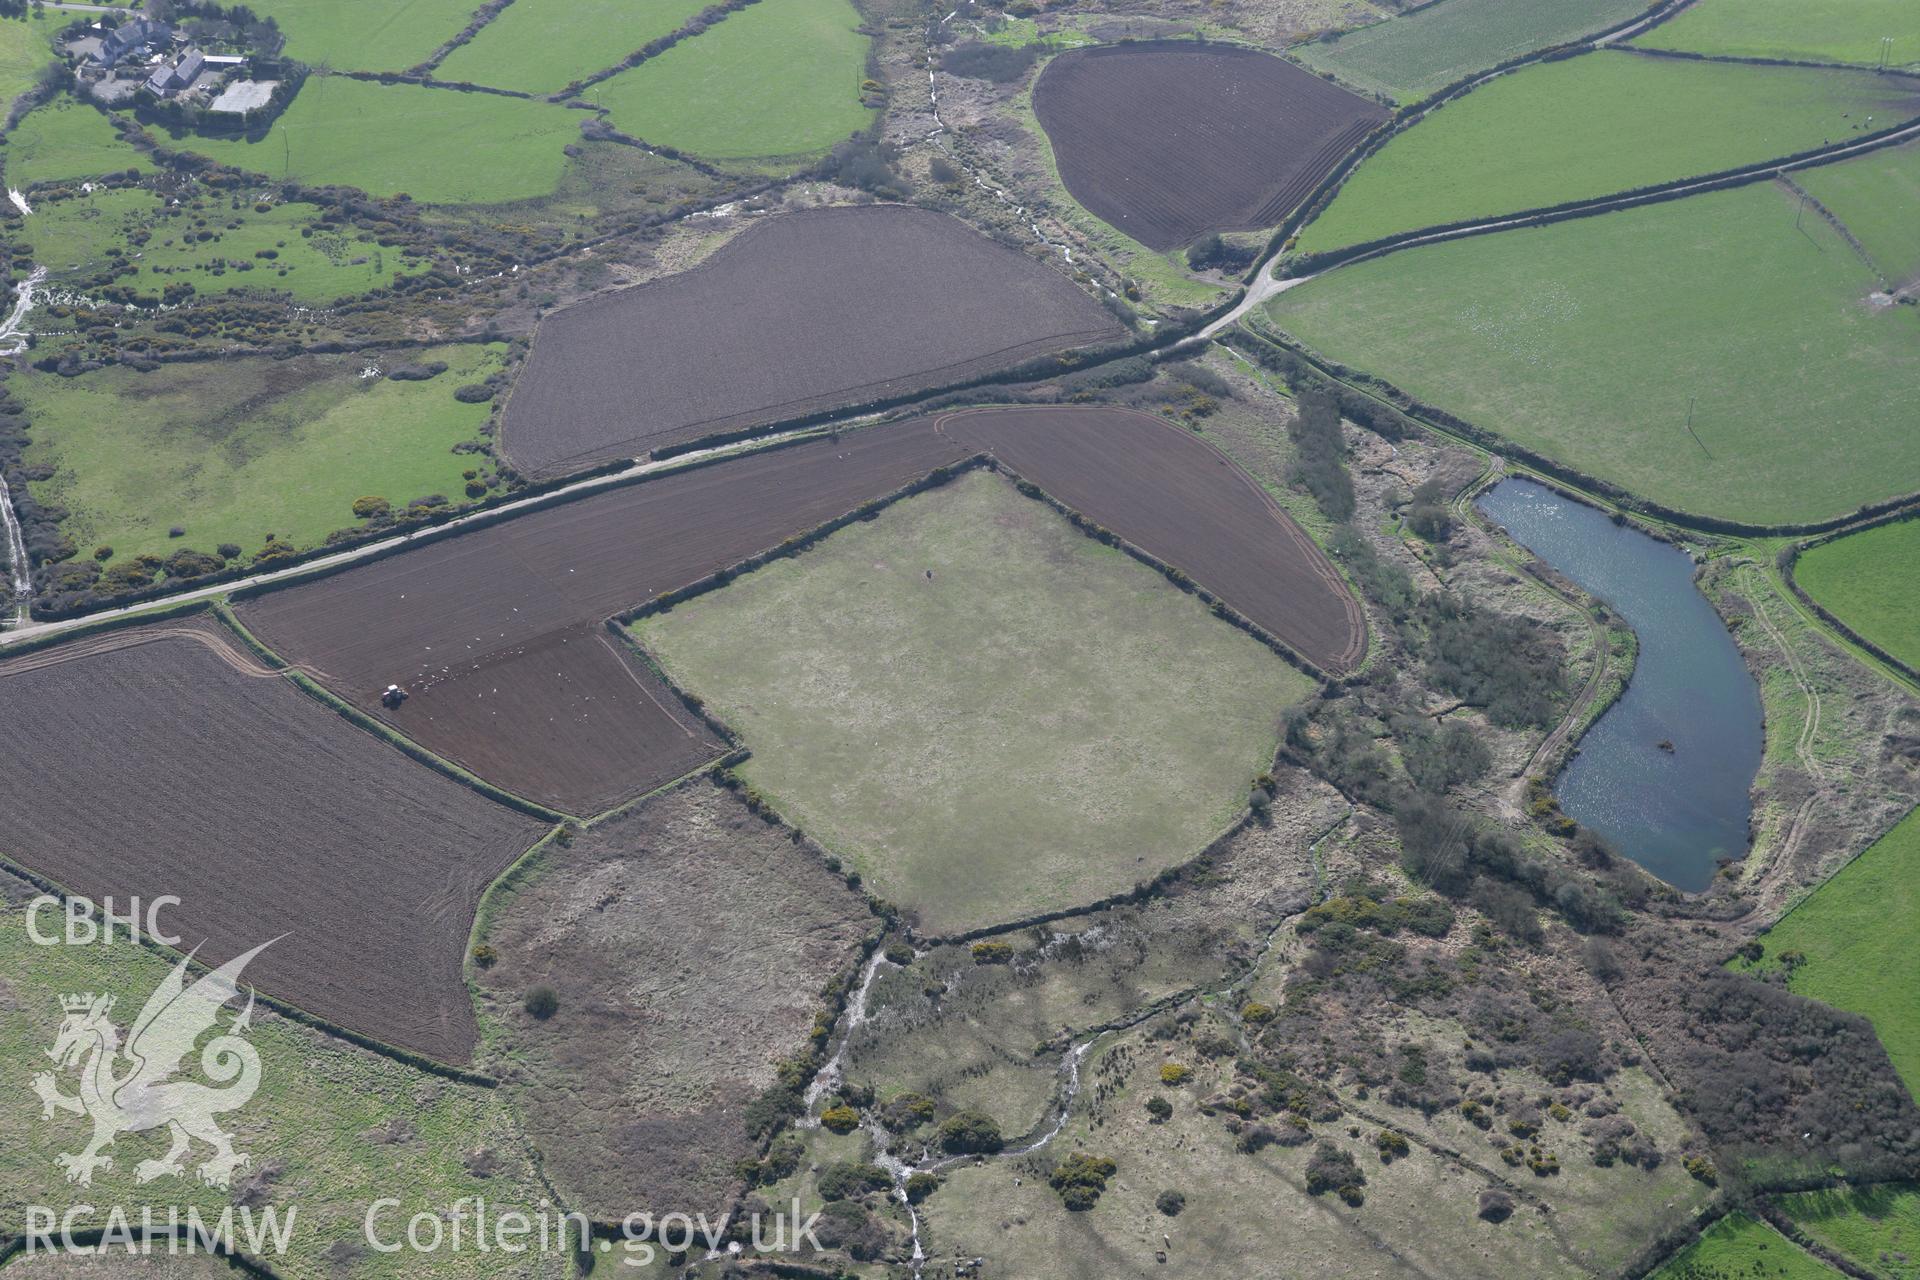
1664, 773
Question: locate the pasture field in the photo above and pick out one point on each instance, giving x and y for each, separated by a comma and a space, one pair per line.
1593, 125
26, 45
986, 712
332, 1128
1866, 579
634, 1092
1798, 30
768, 82
207, 244
1877, 1227
851, 304
1856, 933
1419, 53
1739, 1245
541, 46
1587, 339
1875, 195
236, 449
366, 35
439, 146
62, 141
1167, 141
165, 760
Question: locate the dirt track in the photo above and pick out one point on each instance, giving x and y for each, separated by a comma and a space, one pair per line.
167, 765
808, 311
1169, 141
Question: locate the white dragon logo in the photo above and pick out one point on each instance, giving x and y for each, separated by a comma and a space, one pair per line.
140, 1096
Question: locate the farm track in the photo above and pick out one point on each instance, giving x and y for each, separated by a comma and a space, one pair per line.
1758, 590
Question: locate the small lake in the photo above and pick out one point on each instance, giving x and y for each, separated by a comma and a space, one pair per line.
1674, 812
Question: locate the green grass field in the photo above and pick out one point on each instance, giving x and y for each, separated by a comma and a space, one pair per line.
1586, 340
1410, 57
89, 232
65, 140
1877, 1227
1861, 941
1867, 580
1591, 126
440, 146
331, 1129
541, 46
366, 35
1801, 30
769, 81
25, 47
1738, 1247
234, 450
1875, 195
1042, 723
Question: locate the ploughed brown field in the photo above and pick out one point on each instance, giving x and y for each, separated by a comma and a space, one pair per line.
164, 760
1182, 501
490, 631
807, 312
1169, 141
453, 622
688, 942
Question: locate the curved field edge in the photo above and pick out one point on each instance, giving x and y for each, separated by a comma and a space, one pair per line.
1417, 54
1574, 129
1505, 331
1861, 582
1851, 943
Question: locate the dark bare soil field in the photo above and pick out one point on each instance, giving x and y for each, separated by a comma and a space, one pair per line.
1178, 498
1167, 142
523, 716
689, 943
469, 625
807, 312
163, 760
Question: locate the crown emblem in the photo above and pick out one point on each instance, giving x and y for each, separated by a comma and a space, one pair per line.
77, 1004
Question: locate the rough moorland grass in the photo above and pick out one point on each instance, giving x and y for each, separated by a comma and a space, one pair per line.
1867, 579
1876, 195
1587, 339
366, 35
1593, 125
1860, 934
1409, 57
331, 1129
1804, 30
440, 146
771, 80
539, 46
25, 47
1877, 1227
1039, 723
234, 450
1738, 1245
65, 140
87, 232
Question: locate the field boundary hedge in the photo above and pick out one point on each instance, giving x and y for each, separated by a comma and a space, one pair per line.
1632, 197
1589, 488
285, 1008
385, 732
1790, 557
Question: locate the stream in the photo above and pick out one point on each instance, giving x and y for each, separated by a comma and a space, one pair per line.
19, 577
1664, 773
